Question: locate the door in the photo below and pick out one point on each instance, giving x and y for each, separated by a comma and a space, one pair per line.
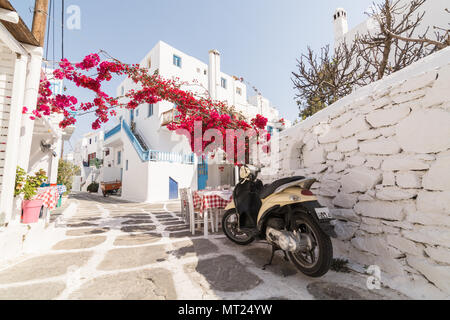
173, 189
202, 173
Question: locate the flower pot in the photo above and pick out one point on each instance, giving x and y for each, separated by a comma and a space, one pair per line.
31, 210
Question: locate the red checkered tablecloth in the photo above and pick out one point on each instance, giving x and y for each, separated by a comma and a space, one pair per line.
211, 200
49, 196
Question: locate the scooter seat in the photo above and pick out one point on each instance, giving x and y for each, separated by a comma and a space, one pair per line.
268, 189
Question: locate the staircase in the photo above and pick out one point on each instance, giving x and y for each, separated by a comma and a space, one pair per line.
139, 138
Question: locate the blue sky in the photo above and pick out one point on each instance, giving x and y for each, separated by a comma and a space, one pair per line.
258, 39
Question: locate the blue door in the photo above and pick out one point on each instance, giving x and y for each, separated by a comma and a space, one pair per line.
173, 189
202, 173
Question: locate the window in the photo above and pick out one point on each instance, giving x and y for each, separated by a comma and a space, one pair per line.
126, 165
119, 156
122, 91
239, 91
95, 139
223, 83
176, 61
150, 110
198, 70
107, 152
270, 129
137, 112
90, 141
149, 63
204, 72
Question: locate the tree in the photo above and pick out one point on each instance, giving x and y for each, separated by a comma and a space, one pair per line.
394, 43
324, 79
66, 172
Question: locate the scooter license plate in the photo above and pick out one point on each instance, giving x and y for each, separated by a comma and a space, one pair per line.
323, 213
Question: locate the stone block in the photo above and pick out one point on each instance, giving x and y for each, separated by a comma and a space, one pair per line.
380, 209
381, 146
429, 218
438, 202
439, 254
437, 274
405, 245
347, 145
346, 201
408, 180
360, 180
429, 235
423, 131
354, 126
345, 214
403, 163
388, 116
438, 177
395, 193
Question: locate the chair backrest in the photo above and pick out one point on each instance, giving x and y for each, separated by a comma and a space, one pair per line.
184, 202
190, 200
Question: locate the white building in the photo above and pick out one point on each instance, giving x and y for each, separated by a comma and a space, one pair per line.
32, 145
88, 155
153, 162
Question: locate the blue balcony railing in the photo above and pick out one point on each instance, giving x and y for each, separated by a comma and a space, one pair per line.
151, 155
113, 131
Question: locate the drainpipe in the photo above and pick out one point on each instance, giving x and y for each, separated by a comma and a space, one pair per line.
30, 101
9, 174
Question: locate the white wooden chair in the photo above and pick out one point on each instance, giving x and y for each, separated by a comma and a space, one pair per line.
184, 205
195, 216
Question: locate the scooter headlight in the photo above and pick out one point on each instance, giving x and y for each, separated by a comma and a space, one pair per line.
294, 198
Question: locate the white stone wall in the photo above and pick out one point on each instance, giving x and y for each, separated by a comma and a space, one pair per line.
381, 157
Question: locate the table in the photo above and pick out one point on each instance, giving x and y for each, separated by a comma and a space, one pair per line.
49, 197
211, 200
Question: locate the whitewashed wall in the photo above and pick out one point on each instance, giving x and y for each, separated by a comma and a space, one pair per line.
382, 160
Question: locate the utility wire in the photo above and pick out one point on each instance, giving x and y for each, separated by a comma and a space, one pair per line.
53, 23
48, 30
62, 30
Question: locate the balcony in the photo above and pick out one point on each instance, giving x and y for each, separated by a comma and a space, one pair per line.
113, 131
168, 116
96, 163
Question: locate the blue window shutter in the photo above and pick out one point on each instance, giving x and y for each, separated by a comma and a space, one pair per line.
177, 61
150, 110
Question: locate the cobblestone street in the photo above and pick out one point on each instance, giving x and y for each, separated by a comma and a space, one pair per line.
118, 250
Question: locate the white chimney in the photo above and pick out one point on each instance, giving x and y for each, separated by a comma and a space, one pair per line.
340, 24
213, 73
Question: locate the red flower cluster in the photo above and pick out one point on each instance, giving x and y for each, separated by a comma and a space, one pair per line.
152, 88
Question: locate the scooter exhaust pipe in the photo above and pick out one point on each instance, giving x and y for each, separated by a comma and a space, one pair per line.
288, 241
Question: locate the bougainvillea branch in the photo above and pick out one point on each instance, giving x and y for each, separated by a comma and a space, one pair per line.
152, 89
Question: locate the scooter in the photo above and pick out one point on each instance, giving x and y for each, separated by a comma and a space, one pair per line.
287, 215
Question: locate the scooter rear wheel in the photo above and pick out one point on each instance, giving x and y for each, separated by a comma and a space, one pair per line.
316, 261
230, 229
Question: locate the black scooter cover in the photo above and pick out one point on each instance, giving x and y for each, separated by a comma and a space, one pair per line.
247, 201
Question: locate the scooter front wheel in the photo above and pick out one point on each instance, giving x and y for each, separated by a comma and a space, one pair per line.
230, 227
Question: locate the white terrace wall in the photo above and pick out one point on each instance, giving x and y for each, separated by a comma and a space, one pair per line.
382, 160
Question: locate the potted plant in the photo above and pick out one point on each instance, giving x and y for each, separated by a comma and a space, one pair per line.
93, 187
28, 185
